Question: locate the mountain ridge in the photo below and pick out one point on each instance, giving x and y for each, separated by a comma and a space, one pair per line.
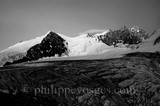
83, 45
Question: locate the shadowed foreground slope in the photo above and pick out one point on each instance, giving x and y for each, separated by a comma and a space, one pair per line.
131, 80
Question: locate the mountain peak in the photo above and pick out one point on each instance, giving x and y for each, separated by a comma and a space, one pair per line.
135, 29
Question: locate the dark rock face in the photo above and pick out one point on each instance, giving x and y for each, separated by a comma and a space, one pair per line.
133, 80
123, 35
157, 41
52, 44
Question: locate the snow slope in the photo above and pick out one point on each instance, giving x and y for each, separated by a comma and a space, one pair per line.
85, 46
24, 46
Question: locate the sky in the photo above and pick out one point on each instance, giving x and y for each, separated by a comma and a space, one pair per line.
22, 20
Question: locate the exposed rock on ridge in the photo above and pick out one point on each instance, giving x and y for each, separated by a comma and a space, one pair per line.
52, 44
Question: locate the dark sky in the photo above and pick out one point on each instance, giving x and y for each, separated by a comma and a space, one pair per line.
27, 19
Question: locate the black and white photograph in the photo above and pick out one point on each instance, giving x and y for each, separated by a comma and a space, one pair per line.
79, 52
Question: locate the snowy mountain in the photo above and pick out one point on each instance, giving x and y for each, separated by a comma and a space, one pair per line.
51, 44
104, 43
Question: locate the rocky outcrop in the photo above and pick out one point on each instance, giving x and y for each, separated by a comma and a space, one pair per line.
51, 45
133, 80
124, 35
